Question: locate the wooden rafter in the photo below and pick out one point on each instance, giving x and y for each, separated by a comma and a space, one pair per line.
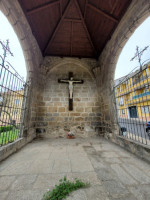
71, 38
102, 13
42, 7
114, 6
83, 22
55, 31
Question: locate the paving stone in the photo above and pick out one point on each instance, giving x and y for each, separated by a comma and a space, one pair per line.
115, 188
106, 174
47, 181
77, 195
58, 155
6, 163
3, 195
18, 167
123, 176
141, 192
40, 167
113, 160
25, 195
23, 182
122, 153
128, 197
96, 193
97, 147
62, 166
97, 164
81, 165
137, 174
90, 177
5, 182
137, 162
109, 154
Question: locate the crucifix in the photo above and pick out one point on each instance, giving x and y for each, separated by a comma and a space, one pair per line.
70, 81
138, 55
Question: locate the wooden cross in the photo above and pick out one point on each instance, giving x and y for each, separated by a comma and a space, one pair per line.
70, 81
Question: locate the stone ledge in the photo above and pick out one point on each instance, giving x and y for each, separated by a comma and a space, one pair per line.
140, 150
11, 148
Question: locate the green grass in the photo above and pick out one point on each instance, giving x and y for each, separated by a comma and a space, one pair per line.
65, 187
9, 136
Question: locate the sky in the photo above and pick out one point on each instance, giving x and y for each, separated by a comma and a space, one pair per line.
7, 32
140, 38
124, 66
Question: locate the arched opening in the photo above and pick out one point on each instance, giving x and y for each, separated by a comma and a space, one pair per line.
17, 60
33, 59
139, 38
132, 86
13, 88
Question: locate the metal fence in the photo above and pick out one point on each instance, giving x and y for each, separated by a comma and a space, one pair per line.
13, 94
132, 94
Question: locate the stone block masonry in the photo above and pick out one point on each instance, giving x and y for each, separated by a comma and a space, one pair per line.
53, 109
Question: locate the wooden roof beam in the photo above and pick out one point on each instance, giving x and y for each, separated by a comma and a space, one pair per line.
87, 32
103, 13
86, 2
55, 31
42, 7
60, 7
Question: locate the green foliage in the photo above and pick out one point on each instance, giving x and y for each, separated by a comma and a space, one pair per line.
9, 136
64, 188
5, 128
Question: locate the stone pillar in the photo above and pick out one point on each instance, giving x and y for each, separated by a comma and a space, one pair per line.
33, 58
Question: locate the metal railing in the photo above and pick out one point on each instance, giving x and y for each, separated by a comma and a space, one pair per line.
13, 94
134, 114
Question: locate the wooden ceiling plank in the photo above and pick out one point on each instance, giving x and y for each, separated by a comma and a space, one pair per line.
114, 6
102, 13
42, 7
71, 39
86, 2
73, 20
55, 31
60, 7
87, 32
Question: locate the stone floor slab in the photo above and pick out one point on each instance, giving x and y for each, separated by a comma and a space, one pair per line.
112, 172
5, 182
123, 176
23, 182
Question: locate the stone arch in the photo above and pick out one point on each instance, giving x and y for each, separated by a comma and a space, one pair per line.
16, 17
70, 61
135, 15
138, 11
33, 59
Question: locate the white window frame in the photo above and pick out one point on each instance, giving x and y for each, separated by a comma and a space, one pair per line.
17, 101
145, 109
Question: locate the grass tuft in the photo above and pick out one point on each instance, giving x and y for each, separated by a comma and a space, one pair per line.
64, 188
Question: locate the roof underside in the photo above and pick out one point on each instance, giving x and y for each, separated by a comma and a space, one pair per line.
78, 28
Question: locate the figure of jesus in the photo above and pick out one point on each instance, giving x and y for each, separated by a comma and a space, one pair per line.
71, 82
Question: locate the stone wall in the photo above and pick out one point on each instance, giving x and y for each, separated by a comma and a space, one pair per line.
53, 114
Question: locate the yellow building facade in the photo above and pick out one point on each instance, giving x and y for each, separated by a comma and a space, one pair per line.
11, 107
133, 95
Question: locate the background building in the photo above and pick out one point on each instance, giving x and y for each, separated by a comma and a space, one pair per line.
133, 95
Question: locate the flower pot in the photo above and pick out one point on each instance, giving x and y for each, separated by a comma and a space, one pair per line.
71, 137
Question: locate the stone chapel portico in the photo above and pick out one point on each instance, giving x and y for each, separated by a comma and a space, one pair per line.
82, 37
